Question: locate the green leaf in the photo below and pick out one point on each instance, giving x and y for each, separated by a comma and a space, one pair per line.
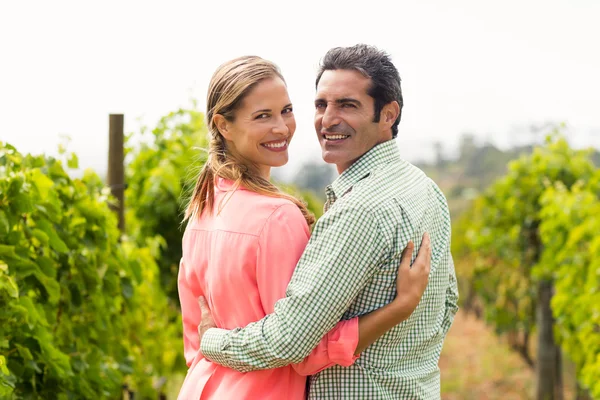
40, 235
32, 315
7, 252
24, 352
42, 183
3, 367
73, 161
24, 267
126, 288
47, 265
51, 286
8, 284
4, 225
55, 241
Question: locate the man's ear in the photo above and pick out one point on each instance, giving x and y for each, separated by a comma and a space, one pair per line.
223, 126
390, 113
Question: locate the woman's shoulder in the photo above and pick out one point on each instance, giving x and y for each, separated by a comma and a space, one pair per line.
246, 198
247, 212
275, 206
275, 210
284, 217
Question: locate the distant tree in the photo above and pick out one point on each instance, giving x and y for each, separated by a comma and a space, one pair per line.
596, 158
315, 177
440, 156
467, 146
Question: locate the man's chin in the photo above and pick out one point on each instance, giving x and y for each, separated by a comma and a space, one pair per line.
329, 158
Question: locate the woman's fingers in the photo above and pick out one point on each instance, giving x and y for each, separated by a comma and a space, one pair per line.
203, 305
423, 259
407, 255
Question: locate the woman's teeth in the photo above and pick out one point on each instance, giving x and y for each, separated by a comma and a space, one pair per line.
276, 145
336, 137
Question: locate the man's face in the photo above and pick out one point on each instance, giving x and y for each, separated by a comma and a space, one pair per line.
344, 118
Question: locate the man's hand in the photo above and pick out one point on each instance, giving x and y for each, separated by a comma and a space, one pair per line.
207, 320
412, 281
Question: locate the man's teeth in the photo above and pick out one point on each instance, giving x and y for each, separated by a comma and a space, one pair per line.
335, 137
275, 145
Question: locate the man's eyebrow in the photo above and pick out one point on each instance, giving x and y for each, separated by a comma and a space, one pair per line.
341, 101
347, 100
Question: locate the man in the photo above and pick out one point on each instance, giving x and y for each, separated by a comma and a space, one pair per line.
374, 208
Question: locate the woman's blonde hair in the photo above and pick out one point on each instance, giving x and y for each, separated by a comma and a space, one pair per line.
230, 84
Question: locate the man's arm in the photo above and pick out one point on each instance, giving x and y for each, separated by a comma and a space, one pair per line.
343, 254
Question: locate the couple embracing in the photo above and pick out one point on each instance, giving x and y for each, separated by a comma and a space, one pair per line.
272, 311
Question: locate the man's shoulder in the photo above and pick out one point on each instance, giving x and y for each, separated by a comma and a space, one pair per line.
396, 186
399, 180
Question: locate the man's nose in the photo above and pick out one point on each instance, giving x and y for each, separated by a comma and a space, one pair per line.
330, 118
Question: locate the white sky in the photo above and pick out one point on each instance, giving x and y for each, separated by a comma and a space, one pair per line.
491, 68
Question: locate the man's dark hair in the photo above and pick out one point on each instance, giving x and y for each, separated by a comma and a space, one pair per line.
374, 64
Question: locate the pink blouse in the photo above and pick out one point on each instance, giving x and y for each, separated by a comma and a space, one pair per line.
241, 260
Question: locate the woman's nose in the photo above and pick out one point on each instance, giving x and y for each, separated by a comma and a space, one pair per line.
280, 127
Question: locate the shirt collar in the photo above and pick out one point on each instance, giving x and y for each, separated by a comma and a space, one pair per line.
382, 154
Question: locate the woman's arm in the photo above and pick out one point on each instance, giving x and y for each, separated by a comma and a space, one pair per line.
191, 316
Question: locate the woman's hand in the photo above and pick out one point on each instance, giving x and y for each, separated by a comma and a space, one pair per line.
207, 321
410, 286
412, 281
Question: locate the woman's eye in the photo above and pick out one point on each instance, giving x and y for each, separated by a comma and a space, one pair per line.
262, 116
287, 110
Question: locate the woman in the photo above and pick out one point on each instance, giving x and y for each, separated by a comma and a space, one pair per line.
244, 238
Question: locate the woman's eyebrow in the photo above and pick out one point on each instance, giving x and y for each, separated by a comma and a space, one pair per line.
262, 111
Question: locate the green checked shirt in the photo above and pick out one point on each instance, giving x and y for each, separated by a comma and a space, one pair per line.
349, 268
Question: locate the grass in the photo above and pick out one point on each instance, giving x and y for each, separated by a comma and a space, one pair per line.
476, 364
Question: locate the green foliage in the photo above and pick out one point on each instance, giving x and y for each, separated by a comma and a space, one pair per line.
160, 177
536, 223
80, 312
569, 232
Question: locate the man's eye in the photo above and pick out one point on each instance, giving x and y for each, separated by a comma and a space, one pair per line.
319, 105
348, 105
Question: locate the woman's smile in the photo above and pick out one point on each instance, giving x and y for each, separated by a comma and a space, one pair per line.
276, 145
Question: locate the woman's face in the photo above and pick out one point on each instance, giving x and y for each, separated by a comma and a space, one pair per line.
263, 126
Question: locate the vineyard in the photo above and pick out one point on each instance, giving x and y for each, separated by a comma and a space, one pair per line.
89, 312
528, 261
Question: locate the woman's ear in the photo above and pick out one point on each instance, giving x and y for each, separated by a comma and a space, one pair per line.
222, 125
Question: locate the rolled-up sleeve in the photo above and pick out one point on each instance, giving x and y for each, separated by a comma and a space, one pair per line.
341, 257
